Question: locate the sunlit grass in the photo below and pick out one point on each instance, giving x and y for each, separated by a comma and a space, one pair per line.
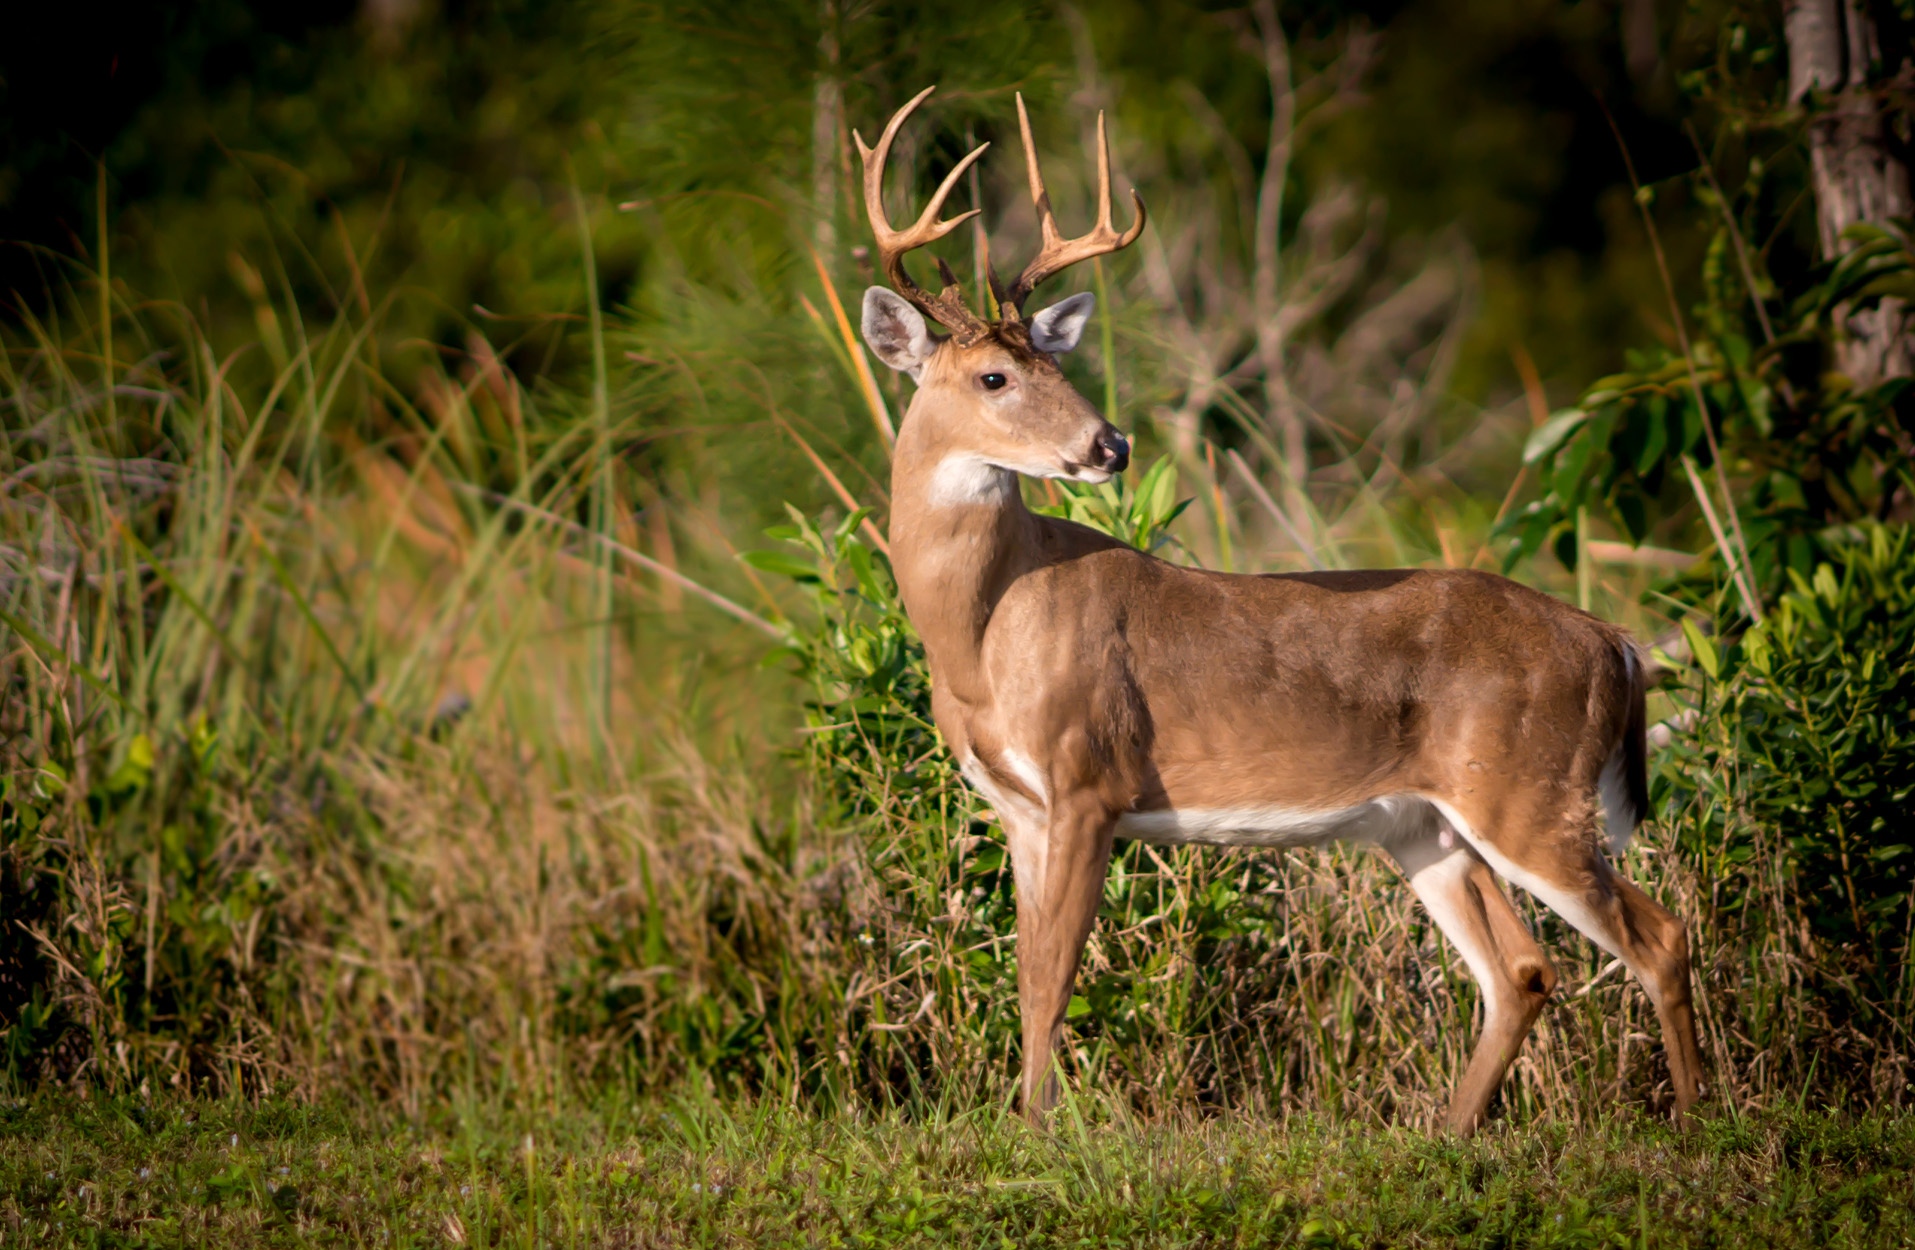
686, 1171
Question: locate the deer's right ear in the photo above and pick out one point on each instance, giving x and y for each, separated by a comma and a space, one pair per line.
896, 331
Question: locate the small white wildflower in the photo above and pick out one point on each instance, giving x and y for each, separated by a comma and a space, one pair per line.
144, 1173
285, 1171
465, 1191
234, 1140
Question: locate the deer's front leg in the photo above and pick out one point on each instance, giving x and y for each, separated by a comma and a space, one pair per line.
1059, 865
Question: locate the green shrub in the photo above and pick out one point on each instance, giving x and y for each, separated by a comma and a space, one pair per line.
1814, 712
1754, 400
1789, 805
1826, 710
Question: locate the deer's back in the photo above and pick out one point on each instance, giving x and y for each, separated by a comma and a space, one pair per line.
1280, 681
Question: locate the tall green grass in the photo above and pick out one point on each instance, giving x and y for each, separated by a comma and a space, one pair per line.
309, 704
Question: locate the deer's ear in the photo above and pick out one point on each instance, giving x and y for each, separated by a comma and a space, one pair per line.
896, 331
1057, 328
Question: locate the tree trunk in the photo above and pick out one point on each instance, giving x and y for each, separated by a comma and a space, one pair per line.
1835, 61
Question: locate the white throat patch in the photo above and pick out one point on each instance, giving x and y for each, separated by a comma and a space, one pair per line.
966, 478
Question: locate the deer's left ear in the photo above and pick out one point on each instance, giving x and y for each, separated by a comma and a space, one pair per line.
1057, 329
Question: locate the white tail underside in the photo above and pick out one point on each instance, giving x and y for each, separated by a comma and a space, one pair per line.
1619, 814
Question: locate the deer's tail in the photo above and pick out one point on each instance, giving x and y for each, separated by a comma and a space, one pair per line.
1625, 775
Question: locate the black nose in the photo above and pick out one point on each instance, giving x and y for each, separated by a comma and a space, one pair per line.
1113, 452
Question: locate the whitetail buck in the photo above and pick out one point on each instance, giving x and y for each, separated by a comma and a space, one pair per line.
1457, 720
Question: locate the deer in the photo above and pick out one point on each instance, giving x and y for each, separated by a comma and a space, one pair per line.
1467, 726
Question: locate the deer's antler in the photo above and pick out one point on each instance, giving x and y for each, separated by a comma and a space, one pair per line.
1058, 253
947, 307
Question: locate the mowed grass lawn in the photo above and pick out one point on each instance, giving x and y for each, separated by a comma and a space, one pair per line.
689, 1173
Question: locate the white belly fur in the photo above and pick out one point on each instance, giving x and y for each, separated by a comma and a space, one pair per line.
1385, 820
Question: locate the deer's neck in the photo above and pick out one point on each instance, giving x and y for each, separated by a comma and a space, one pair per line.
960, 535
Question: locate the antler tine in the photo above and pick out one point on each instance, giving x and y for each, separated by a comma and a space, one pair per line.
946, 307
1056, 253
1046, 219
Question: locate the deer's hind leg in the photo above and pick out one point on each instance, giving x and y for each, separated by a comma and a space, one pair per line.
1588, 892
1560, 863
1461, 895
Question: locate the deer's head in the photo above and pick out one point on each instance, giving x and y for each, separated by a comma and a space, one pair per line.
990, 394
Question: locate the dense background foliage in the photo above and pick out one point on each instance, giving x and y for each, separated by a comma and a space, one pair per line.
391, 392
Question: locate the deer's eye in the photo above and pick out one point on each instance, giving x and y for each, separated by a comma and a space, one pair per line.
992, 381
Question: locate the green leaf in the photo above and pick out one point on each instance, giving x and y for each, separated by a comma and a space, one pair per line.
1864, 232
1157, 491
1570, 479
858, 556
1897, 285
1691, 426
1701, 647
848, 526
1162, 536
1655, 437
135, 771
1634, 517
53, 779
783, 563
1551, 433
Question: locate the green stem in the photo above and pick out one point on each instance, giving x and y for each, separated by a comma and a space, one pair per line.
1585, 570
1107, 342
601, 496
